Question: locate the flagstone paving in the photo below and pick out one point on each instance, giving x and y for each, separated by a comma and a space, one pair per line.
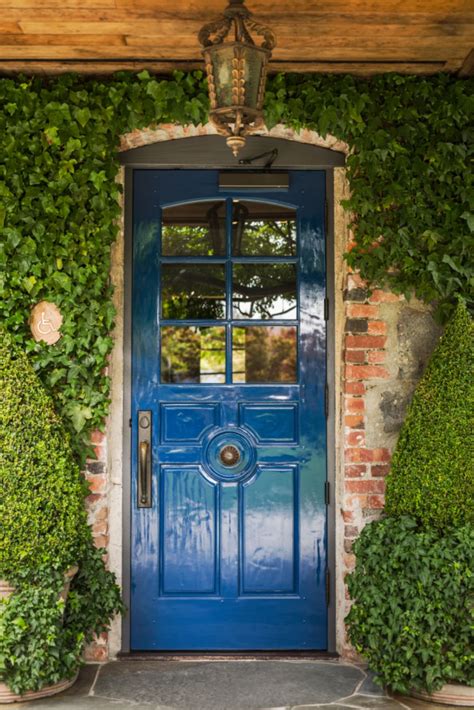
225, 685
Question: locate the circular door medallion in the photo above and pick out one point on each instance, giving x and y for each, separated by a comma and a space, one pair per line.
229, 455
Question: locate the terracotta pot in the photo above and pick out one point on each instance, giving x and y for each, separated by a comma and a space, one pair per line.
6, 589
450, 694
8, 696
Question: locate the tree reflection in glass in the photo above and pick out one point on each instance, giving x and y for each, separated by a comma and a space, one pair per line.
262, 353
194, 229
263, 230
264, 291
193, 354
192, 291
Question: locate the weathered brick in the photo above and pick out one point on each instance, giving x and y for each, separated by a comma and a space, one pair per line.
380, 470
100, 452
356, 294
96, 653
365, 341
354, 405
376, 356
357, 325
360, 455
366, 485
356, 310
348, 545
377, 327
355, 356
95, 467
351, 531
379, 296
354, 280
355, 438
97, 437
376, 502
97, 482
100, 527
366, 372
354, 388
355, 471
348, 516
354, 421
101, 540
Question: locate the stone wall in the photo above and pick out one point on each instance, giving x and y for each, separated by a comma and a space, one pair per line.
382, 344
387, 343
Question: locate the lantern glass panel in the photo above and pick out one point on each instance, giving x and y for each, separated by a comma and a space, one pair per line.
222, 68
253, 66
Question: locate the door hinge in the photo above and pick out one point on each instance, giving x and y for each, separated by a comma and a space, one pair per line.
326, 308
326, 400
130, 423
327, 499
328, 587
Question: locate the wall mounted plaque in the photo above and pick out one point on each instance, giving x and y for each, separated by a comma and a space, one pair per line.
45, 322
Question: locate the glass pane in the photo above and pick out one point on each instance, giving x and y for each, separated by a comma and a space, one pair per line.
191, 291
264, 291
263, 230
193, 354
262, 353
196, 229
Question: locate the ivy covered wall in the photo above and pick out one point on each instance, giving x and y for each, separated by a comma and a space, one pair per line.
409, 171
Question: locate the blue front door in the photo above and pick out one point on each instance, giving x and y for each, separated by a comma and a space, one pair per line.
228, 414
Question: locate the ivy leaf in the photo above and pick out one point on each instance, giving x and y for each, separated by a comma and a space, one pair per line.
29, 283
51, 134
79, 414
469, 217
82, 116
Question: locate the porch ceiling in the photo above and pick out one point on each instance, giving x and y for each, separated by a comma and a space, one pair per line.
357, 36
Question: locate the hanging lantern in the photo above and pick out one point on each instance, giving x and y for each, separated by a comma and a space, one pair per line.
236, 72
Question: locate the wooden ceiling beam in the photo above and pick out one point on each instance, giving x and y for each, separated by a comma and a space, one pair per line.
467, 68
87, 12
102, 68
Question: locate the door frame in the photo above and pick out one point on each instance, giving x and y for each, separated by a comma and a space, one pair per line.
210, 152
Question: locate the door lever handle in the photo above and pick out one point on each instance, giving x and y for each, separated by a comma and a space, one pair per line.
144, 459
143, 472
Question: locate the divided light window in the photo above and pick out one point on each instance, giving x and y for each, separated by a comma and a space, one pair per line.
228, 293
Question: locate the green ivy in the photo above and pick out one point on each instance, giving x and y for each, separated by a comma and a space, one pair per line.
409, 173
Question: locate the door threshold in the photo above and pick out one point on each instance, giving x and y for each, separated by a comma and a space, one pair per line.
227, 656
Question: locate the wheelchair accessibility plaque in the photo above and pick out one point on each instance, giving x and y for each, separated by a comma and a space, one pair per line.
45, 322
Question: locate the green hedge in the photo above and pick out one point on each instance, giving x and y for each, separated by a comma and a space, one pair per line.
42, 516
43, 531
413, 611
409, 173
432, 471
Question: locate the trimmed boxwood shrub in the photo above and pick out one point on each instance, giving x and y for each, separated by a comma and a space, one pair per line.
432, 472
42, 515
413, 611
43, 531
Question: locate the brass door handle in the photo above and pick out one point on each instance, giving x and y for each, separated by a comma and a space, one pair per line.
144, 472
145, 468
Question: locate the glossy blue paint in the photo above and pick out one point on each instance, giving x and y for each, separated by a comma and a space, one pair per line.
230, 558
